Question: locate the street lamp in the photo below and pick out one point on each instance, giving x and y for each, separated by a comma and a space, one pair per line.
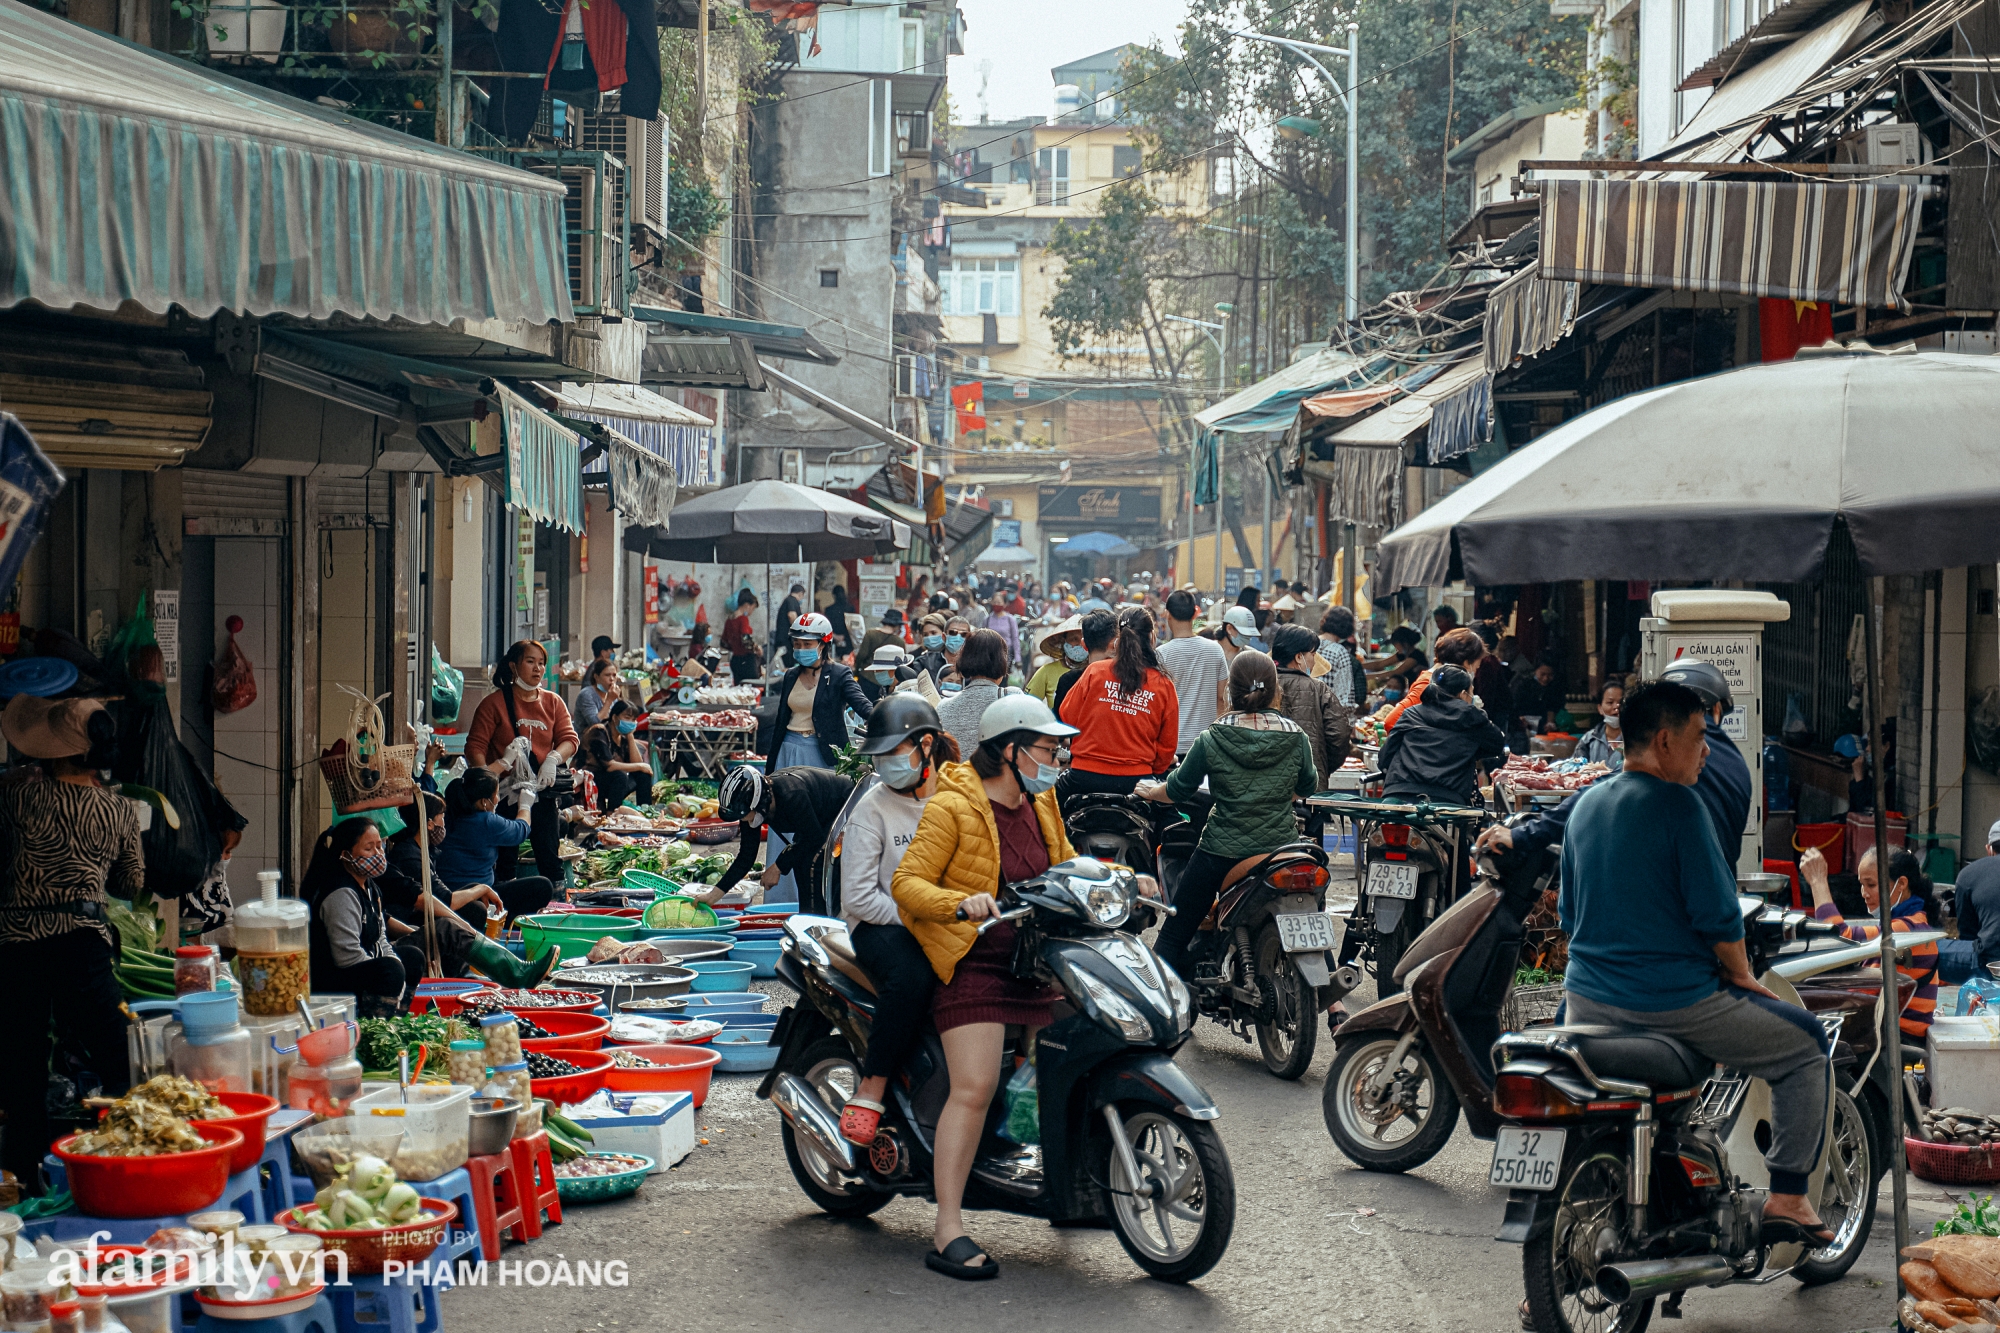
1214, 331
1304, 127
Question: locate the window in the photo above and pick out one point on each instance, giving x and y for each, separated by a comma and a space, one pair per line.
1125, 161
881, 128
913, 46
982, 287
1052, 166
829, 277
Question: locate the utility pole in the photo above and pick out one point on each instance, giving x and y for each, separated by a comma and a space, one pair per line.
1347, 95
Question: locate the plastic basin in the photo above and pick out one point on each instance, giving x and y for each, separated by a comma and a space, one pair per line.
171, 1184
575, 1031
567, 1088
760, 933
760, 954
715, 1003
772, 909
721, 930
572, 932
248, 1112
445, 994
600, 1189
577, 1002
742, 1018
745, 1050
686, 1069
368, 1250
720, 975
650, 980
711, 831
688, 949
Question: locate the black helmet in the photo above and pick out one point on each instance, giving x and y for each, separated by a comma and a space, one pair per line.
1704, 678
742, 791
896, 719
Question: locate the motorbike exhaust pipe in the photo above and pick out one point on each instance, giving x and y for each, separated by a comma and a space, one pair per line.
808, 1114
1619, 1283
1346, 979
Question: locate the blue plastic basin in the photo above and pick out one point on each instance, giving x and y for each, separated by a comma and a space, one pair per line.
720, 974
763, 954
745, 1050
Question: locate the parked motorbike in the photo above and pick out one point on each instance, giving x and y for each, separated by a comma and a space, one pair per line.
1124, 1133
1415, 853
1636, 1166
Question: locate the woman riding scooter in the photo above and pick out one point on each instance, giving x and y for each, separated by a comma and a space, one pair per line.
908, 744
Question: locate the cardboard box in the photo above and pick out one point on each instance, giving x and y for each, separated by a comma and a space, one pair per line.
666, 1137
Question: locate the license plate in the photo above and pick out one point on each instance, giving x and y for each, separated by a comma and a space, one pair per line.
1390, 879
1527, 1159
1305, 932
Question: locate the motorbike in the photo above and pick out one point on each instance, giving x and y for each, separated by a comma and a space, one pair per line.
1262, 958
1415, 857
1636, 1167
1120, 1132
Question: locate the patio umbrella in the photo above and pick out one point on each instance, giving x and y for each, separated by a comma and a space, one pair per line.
768, 521
1742, 475
1107, 544
1004, 555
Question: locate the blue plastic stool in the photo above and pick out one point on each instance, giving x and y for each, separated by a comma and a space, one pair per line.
302, 1190
245, 1193
275, 1172
462, 1238
371, 1304
315, 1318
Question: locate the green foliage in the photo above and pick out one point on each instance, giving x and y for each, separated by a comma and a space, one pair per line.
695, 211
1976, 1216
1109, 264
850, 763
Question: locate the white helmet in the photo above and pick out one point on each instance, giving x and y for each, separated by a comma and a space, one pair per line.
812, 625
1020, 712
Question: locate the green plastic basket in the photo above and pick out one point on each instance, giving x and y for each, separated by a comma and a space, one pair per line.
673, 912
571, 932
598, 1189
647, 880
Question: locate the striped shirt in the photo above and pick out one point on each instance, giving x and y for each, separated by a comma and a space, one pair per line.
1341, 676
1920, 964
63, 843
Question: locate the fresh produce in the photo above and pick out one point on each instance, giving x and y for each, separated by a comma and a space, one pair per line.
543, 1065
567, 1139
145, 971
728, 719
1976, 1216
152, 1120
511, 1000
627, 1060
365, 1194
728, 696
598, 1164
383, 1038
672, 913
608, 950
1956, 1124
1537, 772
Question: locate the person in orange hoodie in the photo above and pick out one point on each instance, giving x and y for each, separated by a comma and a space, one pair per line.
1126, 713
1459, 648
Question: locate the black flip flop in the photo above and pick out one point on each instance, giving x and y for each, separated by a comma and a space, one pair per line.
952, 1261
1784, 1231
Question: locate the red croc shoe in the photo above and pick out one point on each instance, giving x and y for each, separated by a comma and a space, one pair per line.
859, 1119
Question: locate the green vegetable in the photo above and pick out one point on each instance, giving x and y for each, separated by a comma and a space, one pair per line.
371, 1178
1976, 1216
665, 791
851, 763
567, 1126
383, 1038
400, 1203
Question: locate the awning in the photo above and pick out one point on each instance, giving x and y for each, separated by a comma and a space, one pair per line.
643, 486
700, 361
102, 404
679, 436
1748, 94
134, 176
1005, 555
1526, 315
544, 464
1364, 484
1806, 241
1764, 39
842, 412
360, 377
1273, 402
1346, 402
1410, 414
785, 342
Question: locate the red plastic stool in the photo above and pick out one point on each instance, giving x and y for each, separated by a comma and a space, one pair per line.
496, 1200
535, 1178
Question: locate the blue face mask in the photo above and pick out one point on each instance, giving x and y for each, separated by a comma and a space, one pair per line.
1075, 653
883, 677
897, 771
951, 687
1043, 778
806, 657
933, 641
1392, 695
626, 728
954, 642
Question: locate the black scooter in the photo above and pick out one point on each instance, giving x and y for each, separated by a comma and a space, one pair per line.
1123, 1132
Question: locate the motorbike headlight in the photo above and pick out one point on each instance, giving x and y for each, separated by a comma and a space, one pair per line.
1106, 902
1111, 1009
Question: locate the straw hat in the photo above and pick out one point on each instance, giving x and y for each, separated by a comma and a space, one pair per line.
48, 728
1071, 625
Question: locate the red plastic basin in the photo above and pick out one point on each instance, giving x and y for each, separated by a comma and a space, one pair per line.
568, 1088
582, 1032
686, 1069
175, 1183
249, 1112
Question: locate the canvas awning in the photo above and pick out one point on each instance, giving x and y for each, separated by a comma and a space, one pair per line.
683, 439
544, 464
1411, 413
1806, 241
138, 177
781, 341
840, 411
1273, 402
1364, 484
1750, 93
643, 487
1526, 315
1339, 403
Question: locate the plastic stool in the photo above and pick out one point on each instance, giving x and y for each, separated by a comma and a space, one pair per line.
496, 1198
456, 1185
535, 1178
315, 1318
274, 1170
302, 1190
245, 1193
371, 1304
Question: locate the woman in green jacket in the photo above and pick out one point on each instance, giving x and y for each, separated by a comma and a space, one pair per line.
1256, 760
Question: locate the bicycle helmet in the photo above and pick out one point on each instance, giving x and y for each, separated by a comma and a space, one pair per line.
742, 792
812, 625
1020, 712
1704, 678
897, 718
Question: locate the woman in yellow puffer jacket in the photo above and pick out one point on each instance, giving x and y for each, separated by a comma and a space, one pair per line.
993, 821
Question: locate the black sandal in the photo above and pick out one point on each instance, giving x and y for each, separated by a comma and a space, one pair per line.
1785, 1231
952, 1261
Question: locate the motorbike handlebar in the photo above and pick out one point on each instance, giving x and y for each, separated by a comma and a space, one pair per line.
1012, 914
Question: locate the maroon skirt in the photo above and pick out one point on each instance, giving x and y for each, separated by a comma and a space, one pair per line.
984, 989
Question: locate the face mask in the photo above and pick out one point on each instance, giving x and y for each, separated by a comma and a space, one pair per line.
369, 866
626, 728
883, 677
1044, 777
1075, 653
954, 642
897, 771
933, 641
806, 657
951, 687
1392, 695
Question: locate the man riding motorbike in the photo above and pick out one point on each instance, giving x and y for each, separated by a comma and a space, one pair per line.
1656, 940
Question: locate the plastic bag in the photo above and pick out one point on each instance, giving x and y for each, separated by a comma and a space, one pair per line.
132, 636
1797, 731
235, 683
1982, 730
447, 689
1024, 1107
178, 860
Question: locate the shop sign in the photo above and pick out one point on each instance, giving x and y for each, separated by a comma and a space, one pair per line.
1006, 532
1735, 654
652, 594
1126, 505
167, 629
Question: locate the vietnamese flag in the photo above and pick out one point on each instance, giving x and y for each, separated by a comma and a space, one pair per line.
1784, 326
969, 399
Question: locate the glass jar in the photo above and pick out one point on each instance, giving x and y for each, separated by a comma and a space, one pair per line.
93, 1312
272, 949
325, 1090
510, 1080
25, 1296
195, 968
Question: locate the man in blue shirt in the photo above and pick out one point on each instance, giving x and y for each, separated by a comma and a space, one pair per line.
1656, 940
1978, 900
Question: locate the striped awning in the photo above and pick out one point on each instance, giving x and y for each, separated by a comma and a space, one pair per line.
1806, 241
1526, 315
544, 463
133, 176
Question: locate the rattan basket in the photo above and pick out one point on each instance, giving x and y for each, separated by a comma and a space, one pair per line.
361, 770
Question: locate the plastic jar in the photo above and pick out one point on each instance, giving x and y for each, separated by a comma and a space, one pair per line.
502, 1035
25, 1296
219, 1223
256, 1238
468, 1063
10, 1227
211, 1047
93, 1312
65, 1317
195, 968
272, 949
325, 1090
514, 1079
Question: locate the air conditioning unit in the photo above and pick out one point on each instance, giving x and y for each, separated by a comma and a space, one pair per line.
642, 146
1003, 509
1894, 143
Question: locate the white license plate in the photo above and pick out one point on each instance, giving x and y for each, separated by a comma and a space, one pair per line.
1391, 879
1527, 1159
1305, 932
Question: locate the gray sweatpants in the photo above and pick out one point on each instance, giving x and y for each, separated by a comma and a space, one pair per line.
1779, 1043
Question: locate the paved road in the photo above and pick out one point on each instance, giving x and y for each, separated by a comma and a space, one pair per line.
726, 1241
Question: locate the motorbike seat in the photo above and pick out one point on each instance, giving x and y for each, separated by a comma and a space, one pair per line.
1639, 1056
845, 963
1242, 870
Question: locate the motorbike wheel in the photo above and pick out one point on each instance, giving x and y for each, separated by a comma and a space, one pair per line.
1407, 1125
1287, 1042
1181, 1231
1559, 1267
1847, 1197
829, 1067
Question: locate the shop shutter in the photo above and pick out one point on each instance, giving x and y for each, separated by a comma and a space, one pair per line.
207, 494
104, 405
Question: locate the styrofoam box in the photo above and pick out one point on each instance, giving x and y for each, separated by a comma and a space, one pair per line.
666, 1137
1963, 1062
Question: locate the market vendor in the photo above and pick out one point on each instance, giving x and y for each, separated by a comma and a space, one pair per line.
475, 835
797, 806
739, 640
616, 757
520, 709
1605, 742
458, 936
66, 843
352, 936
